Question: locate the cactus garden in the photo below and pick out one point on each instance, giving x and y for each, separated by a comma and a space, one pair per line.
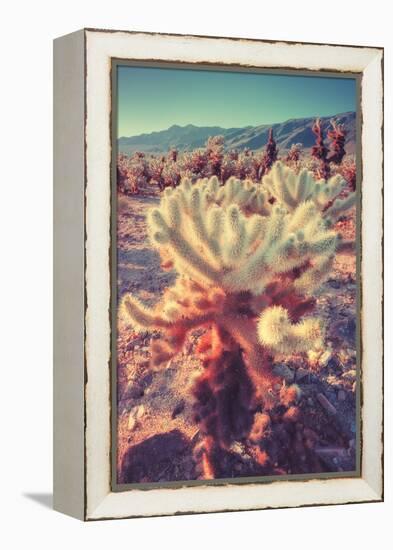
236, 334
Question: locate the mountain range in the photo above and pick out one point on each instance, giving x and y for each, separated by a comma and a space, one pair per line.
186, 138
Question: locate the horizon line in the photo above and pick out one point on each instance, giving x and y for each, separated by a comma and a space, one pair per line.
235, 127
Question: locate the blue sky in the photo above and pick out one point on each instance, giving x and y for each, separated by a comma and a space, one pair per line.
152, 99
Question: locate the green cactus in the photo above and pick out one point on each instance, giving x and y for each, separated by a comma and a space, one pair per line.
248, 258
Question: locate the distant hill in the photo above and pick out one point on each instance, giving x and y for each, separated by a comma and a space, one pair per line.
186, 138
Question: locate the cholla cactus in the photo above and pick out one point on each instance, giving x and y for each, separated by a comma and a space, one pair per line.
292, 189
172, 155
246, 167
247, 270
337, 135
270, 155
170, 174
228, 168
215, 154
337, 147
348, 171
294, 153
319, 151
156, 167
133, 172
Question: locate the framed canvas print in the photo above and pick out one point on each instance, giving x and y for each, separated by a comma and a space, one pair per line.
218, 274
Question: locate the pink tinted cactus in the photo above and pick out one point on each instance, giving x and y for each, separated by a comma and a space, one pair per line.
171, 174
270, 155
319, 151
294, 153
348, 171
215, 154
336, 151
156, 167
337, 135
173, 154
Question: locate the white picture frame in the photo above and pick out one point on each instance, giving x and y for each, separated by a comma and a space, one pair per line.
82, 336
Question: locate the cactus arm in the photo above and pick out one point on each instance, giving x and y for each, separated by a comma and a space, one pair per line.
277, 333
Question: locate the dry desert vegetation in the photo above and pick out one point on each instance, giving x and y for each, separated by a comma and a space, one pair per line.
237, 312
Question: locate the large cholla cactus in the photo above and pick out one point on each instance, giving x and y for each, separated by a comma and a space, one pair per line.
248, 258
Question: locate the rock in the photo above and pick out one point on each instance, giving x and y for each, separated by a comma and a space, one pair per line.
301, 373
341, 395
165, 456
334, 363
324, 358
131, 421
133, 391
146, 380
135, 414
178, 409
284, 371
139, 412
325, 403
350, 375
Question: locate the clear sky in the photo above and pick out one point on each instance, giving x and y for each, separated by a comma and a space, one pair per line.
152, 99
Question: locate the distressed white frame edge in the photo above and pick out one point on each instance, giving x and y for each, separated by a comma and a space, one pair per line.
101, 46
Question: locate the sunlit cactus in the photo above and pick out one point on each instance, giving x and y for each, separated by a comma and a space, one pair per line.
277, 333
291, 190
248, 258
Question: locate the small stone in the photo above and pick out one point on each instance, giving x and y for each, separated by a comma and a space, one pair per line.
178, 409
133, 391
284, 371
140, 411
301, 373
325, 403
325, 357
341, 395
131, 421
350, 375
